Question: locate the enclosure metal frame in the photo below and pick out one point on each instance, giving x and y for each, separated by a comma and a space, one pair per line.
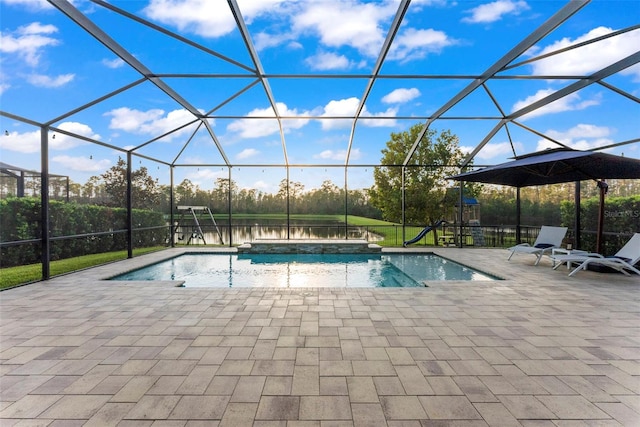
260, 77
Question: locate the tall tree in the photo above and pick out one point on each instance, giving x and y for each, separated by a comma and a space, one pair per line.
328, 199
220, 194
434, 159
295, 190
185, 192
145, 189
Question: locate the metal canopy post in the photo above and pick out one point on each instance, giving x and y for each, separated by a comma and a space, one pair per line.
288, 206
129, 207
518, 215
603, 187
229, 206
172, 239
576, 197
403, 196
461, 214
44, 202
346, 203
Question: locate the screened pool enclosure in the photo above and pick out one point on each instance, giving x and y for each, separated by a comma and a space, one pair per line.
253, 100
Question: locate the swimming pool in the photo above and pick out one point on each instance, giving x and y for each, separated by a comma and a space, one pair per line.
304, 270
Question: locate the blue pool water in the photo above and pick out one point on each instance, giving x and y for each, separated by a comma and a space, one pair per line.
305, 270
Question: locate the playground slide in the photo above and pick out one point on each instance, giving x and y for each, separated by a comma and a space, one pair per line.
422, 233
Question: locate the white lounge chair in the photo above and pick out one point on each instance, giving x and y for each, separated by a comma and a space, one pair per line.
625, 259
548, 238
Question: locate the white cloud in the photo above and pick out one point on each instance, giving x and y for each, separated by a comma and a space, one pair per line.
496, 150
82, 164
256, 128
589, 58
328, 61
36, 28
356, 154
262, 186
337, 24
205, 17
152, 122
571, 102
29, 142
339, 155
73, 127
343, 23
204, 177
263, 40
30, 4
192, 160
343, 107
583, 130
419, 3
339, 108
580, 137
113, 63
352, 24
41, 80
491, 12
28, 41
252, 9
347, 108
416, 44
379, 122
401, 95
247, 153
202, 17
130, 120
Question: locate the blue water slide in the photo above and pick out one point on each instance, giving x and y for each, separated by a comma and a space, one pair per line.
422, 233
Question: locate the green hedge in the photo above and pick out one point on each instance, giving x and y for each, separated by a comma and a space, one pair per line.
621, 216
20, 219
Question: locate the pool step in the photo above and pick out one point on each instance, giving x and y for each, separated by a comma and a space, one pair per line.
309, 247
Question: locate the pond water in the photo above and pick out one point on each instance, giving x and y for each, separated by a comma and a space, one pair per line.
246, 231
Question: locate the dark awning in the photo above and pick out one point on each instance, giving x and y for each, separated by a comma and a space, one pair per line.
555, 166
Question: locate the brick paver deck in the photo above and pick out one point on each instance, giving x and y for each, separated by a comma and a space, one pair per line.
538, 349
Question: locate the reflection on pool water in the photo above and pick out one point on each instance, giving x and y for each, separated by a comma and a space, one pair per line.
305, 270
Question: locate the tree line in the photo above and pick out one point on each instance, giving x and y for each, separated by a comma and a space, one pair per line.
423, 178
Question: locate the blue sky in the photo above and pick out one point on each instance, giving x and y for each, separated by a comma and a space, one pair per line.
51, 66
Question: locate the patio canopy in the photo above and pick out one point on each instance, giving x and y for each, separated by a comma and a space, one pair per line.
558, 166
554, 167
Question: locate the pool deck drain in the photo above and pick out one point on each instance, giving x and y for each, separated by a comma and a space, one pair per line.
539, 348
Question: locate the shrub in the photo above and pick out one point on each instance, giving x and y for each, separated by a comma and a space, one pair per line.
20, 219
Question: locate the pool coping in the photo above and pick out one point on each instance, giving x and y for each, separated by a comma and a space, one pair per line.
106, 272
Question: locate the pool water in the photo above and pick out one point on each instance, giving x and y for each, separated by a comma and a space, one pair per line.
305, 270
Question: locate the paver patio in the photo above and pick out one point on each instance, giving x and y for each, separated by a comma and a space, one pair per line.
537, 349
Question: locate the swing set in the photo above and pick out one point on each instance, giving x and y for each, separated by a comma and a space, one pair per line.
196, 229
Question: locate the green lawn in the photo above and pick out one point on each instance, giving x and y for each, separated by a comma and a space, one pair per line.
13, 276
